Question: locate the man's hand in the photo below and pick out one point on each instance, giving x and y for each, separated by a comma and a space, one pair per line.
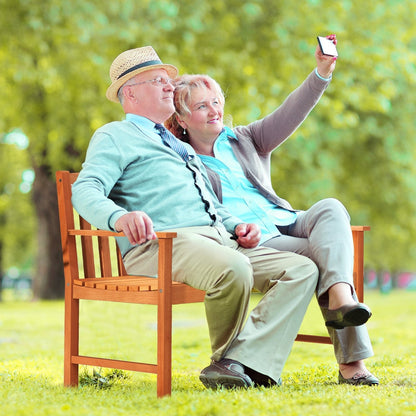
325, 64
248, 235
137, 227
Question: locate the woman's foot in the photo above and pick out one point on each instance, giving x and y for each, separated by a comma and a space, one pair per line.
348, 315
340, 294
356, 373
343, 310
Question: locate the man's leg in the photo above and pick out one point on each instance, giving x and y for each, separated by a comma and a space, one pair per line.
206, 258
288, 282
202, 259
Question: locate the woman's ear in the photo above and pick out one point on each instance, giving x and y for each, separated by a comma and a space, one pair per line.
181, 122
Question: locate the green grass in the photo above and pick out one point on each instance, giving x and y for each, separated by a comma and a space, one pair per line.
31, 365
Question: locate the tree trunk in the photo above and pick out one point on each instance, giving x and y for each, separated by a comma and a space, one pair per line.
48, 282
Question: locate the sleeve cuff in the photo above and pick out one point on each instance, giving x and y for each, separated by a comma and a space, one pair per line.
114, 217
322, 78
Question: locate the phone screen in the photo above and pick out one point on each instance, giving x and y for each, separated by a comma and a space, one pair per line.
327, 46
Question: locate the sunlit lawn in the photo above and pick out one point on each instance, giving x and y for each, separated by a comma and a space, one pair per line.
31, 364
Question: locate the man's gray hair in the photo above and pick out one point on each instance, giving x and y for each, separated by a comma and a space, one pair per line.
120, 95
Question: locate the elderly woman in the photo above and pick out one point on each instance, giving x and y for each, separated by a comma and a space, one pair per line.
238, 164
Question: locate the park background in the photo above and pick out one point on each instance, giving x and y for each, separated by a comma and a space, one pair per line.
357, 145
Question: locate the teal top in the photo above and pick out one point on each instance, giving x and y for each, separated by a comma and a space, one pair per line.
239, 195
128, 168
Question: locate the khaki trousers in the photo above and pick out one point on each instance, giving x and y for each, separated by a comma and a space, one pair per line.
323, 234
206, 258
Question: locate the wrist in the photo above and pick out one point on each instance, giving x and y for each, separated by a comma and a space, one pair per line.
328, 77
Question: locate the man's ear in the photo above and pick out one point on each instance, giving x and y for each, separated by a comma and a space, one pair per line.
129, 94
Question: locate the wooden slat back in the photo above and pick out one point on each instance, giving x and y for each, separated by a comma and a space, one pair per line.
105, 256
87, 249
94, 255
66, 220
120, 265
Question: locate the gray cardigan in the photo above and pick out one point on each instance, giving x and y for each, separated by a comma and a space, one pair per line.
257, 140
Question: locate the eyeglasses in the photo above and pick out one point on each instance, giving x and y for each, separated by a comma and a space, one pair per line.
158, 81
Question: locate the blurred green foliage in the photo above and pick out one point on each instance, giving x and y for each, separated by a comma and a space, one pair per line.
357, 145
17, 219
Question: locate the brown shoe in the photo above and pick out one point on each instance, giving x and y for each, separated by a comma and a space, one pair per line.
348, 315
225, 373
363, 379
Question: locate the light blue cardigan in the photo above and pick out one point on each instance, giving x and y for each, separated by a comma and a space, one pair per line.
128, 168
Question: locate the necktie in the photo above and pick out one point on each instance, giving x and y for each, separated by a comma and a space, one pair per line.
175, 144
170, 140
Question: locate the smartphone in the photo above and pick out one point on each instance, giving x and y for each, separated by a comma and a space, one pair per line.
327, 46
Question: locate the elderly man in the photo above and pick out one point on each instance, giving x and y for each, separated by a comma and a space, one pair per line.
138, 178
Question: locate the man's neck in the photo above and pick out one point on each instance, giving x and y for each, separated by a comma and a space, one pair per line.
156, 118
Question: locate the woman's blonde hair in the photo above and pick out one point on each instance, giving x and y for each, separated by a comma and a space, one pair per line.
182, 97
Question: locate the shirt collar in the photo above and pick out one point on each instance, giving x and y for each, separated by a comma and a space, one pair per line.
227, 133
140, 120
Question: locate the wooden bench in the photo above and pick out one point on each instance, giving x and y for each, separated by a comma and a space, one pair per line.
94, 270
358, 276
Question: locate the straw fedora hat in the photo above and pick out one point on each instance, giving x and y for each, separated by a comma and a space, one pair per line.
132, 62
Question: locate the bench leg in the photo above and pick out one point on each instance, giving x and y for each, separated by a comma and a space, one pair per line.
71, 347
164, 319
358, 239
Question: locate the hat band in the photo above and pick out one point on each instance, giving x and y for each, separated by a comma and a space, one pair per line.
148, 63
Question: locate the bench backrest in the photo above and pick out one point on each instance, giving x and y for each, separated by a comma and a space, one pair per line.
89, 252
